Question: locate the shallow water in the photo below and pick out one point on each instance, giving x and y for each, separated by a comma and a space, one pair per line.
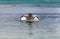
12, 28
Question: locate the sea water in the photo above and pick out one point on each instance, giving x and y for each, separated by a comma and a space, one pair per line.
11, 27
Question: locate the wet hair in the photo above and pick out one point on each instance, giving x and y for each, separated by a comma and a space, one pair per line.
30, 14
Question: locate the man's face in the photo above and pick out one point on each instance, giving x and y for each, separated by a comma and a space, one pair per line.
30, 15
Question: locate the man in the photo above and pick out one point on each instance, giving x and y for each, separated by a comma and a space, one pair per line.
29, 17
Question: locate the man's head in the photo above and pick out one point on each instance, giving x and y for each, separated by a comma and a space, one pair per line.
30, 14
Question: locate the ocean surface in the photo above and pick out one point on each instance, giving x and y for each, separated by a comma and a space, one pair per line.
47, 28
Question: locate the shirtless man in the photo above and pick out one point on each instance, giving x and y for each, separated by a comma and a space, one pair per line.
30, 17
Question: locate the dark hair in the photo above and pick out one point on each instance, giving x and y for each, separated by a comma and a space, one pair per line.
29, 13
